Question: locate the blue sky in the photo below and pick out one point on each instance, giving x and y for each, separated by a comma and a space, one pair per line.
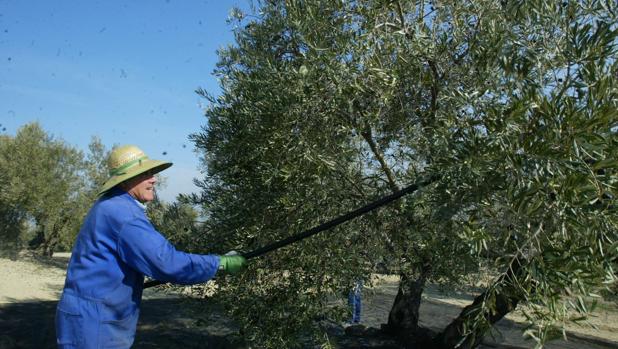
124, 71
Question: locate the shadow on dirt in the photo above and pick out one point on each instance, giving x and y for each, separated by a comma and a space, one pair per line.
177, 322
164, 323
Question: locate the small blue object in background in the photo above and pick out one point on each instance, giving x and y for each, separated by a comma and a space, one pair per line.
354, 300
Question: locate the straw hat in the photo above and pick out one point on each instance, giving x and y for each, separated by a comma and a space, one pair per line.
128, 161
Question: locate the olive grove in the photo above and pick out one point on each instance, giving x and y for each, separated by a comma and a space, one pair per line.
326, 105
46, 188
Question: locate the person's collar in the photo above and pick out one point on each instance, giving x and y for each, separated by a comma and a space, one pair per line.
118, 190
143, 206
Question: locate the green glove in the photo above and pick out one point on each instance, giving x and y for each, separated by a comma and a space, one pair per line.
232, 264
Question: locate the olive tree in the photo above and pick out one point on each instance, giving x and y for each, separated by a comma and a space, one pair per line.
509, 105
47, 187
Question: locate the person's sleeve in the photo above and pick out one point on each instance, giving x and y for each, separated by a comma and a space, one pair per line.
146, 250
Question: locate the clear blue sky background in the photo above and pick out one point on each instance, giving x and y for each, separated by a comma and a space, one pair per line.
124, 71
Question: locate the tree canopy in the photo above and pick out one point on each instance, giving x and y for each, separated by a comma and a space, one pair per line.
328, 105
46, 188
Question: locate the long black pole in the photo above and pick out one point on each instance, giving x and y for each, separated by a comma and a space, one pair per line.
339, 220
332, 223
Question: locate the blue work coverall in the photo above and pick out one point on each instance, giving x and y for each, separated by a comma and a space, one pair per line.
115, 248
355, 302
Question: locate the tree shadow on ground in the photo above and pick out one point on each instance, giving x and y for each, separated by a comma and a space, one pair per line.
168, 322
164, 323
177, 322
59, 262
506, 333
439, 308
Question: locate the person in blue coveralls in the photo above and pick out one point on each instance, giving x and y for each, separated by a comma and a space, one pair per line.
355, 302
116, 246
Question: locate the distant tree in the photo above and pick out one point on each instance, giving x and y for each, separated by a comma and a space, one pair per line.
96, 170
11, 220
512, 104
46, 183
93, 173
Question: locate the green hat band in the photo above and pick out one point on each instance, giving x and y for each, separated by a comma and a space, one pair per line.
121, 170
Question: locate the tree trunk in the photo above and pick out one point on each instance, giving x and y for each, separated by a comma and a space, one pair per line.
52, 239
492, 305
404, 315
47, 248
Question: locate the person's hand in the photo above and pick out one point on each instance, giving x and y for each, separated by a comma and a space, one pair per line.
232, 263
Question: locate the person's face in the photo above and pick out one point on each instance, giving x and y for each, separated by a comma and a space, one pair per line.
141, 187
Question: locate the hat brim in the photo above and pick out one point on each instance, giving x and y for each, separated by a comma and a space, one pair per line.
155, 165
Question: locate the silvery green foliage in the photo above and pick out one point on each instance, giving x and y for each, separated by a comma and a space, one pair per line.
47, 187
328, 105
177, 221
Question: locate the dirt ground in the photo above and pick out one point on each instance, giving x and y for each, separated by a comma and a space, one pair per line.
437, 311
30, 288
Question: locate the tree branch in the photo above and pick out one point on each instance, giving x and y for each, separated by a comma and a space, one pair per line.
368, 137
